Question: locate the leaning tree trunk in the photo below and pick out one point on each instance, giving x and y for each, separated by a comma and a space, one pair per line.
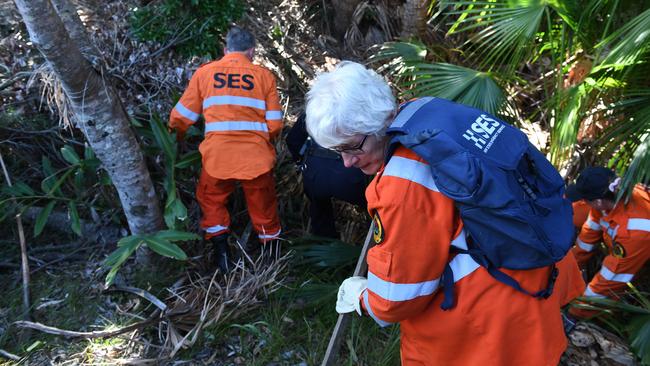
414, 18
343, 10
99, 113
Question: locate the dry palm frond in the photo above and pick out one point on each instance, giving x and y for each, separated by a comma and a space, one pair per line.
380, 29
197, 302
53, 95
590, 344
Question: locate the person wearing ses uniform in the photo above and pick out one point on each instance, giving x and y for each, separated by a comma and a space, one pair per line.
239, 102
416, 226
624, 228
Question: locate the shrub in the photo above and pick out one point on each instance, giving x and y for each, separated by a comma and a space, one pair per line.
193, 27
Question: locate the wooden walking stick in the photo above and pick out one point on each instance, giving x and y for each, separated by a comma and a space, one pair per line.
343, 321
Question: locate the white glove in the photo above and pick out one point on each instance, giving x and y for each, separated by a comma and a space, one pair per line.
347, 299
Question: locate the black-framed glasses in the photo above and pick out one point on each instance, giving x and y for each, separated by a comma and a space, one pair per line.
352, 150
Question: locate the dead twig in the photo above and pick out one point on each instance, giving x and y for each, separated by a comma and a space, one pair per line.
23, 248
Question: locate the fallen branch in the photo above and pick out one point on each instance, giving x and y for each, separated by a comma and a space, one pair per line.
45, 265
8, 355
94, 232
155, 317
142, 293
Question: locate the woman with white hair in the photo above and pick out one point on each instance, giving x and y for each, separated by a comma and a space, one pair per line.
349, 111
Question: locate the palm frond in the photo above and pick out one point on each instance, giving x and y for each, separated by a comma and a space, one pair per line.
396, 57
570, 114
457, 83
628, 44
639, 168
629, 139
333, 254
507, 30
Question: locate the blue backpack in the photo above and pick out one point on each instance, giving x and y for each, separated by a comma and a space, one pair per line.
511, 199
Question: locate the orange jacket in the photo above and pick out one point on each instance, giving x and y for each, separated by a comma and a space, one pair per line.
240, 104
491, 323
626, 232
580, 213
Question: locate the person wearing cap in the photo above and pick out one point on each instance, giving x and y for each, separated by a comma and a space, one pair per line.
623, 228
324, 177
240, 104
416, 229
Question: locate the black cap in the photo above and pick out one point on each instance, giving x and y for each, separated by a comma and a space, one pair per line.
593, 183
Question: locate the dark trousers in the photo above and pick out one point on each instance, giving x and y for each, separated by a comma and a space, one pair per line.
327, 178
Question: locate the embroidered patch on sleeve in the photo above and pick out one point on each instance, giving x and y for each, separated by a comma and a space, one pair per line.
378, 233
618, 250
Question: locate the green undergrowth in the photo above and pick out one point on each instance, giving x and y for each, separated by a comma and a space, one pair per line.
292, 327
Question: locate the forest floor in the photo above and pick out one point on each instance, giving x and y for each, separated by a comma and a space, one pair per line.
288, 325
284, 319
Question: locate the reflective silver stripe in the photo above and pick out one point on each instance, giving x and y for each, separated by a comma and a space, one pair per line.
192, 116
616, 277
412, 170
462, 265
461, 241
233, 100
638, 224
216, 229
585, 246
406, 113
610, 230
269, 236
273, 115
236, 126
401, 291
593, 225
590, 293
366, 303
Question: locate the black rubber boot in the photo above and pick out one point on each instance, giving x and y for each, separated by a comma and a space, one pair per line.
221, 253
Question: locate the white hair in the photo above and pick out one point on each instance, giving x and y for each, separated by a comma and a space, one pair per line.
350, 100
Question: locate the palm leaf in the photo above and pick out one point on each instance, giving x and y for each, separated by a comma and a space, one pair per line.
457, 83
629, 43
333, 254
506, 32
639, 168
570, 115
629, 139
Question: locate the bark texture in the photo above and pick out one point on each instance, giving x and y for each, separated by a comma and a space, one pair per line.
414, 18
76, 30
99, 113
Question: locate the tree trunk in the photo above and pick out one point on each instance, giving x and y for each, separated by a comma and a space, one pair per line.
414, 18
76, 30
99, 113
343, 10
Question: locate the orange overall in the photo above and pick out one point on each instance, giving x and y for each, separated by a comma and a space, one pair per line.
240, 104
625, 230
580, 213
491, 323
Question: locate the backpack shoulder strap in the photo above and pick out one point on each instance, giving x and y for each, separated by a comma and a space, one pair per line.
464, 129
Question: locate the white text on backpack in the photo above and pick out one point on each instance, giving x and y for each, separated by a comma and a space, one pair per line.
483, 132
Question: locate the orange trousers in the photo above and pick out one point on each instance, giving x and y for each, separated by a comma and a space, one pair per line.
212, 195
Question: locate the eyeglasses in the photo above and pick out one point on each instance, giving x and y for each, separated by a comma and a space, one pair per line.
352, 150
